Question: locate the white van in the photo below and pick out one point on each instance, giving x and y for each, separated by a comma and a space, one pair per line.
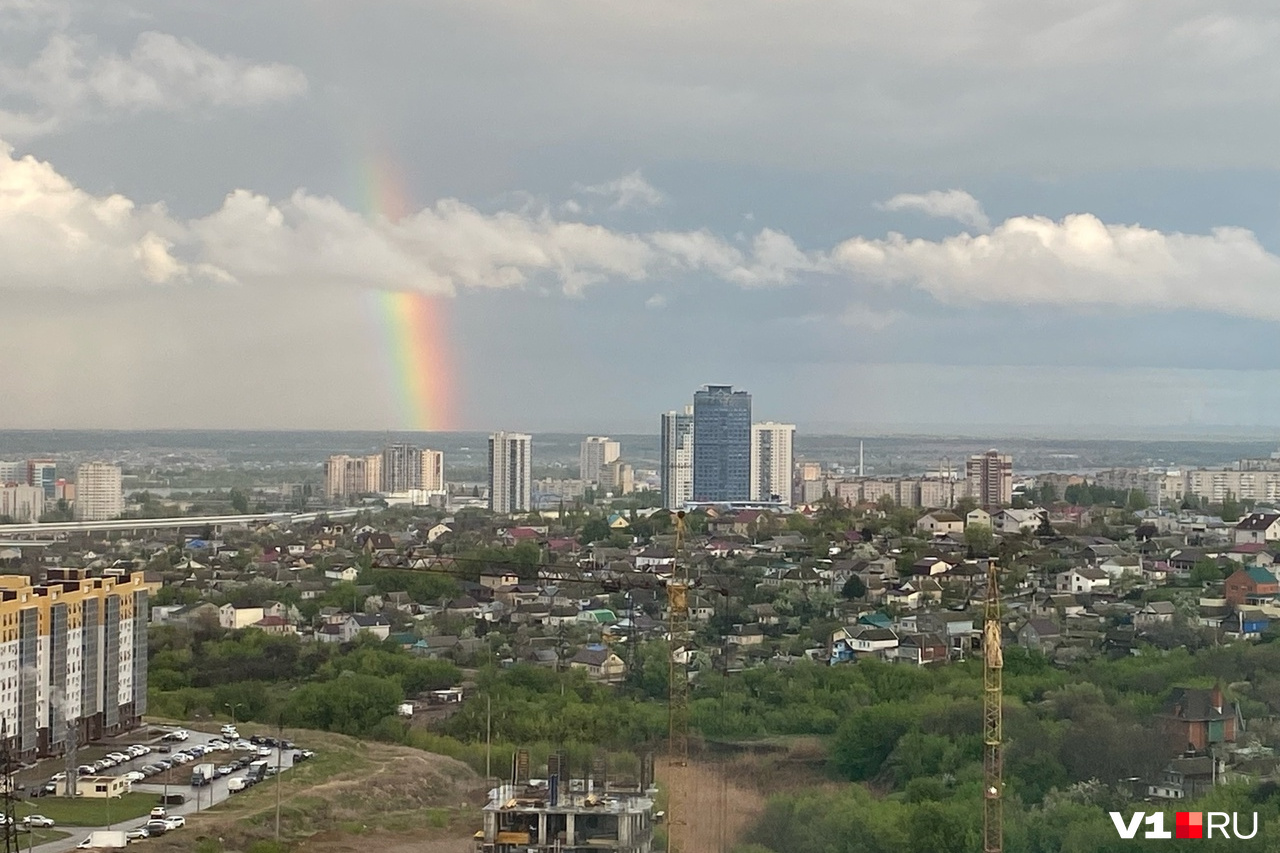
236, 783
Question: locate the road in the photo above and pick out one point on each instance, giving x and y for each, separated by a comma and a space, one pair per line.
197, 798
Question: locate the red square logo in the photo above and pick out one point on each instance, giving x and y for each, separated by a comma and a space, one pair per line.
1189, 825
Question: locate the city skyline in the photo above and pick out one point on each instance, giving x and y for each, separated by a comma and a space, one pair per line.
1065, 252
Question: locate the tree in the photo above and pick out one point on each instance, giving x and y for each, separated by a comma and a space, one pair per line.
239, 502
1206, 570
594, 530
980, 538
854, 588
1048, 494
965, 505
1136, 500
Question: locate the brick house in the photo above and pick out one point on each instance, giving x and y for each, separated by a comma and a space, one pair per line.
1250, 585
1194, 718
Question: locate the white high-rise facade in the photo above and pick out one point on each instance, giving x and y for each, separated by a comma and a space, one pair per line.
676, 463
21, 503
771, 461
99, 492
596, 452
510, 472
432, 471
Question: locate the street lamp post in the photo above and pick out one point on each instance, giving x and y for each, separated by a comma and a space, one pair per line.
232, 708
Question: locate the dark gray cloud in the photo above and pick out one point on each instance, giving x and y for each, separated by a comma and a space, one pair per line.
603, 189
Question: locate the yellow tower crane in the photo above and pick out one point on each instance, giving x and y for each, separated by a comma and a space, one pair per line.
678, 700
992, 718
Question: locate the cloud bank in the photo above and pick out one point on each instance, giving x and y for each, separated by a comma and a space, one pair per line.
74, 79
54, 235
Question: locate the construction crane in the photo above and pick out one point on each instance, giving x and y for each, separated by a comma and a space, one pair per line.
992, 718
678, 699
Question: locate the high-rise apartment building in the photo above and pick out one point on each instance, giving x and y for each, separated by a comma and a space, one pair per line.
344, 476
618, 478
21, 503
373, 473
596, 452
43, 473
13, 473
721, 444
990, 477
771, 461
432, 471
401, 468
675, 468
99, 492
510, 472
74, 654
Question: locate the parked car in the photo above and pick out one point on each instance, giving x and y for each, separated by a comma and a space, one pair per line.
224, 770
85, 770
176, 821
137, 834
265, 751
159, 813
135, 776
38, 821
178, 735
156, 827
236, 783
118, 757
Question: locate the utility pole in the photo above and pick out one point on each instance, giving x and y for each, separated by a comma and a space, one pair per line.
488, 738
279, 758
8, 768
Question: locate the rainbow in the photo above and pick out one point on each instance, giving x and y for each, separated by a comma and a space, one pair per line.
411, 325
414, 338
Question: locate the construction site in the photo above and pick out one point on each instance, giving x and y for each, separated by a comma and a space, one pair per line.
561, 813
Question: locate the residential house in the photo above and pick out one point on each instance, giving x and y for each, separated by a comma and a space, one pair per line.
463, 605
655, 557
1119, 566
360, 623
436, 646
597, 618
236, 618
437, 531
1186, 778
1154, 613
275, 625
492, 579
1039, 635
978, 516
600, 663
1257, 527
921, 649
764, 614
1195, 718
349, 574
746, 635
1018, 520
940, 523
1085, 579
1246, 623
1251, 586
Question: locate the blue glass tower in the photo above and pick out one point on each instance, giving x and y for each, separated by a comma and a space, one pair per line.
721, 444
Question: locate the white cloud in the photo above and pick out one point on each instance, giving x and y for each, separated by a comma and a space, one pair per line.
947, 204
73, 79
655, 302
55, 235
628, 191
1079, 260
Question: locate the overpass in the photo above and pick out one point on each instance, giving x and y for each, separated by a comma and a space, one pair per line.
23, 534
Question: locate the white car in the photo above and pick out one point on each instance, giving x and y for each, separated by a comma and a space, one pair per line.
135, 776
137, 834
176, 821
38, 821
118, 757
179, 734
58, 777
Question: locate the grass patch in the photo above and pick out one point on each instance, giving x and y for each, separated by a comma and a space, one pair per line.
86, 811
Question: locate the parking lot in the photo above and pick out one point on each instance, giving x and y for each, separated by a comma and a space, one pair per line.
162, 762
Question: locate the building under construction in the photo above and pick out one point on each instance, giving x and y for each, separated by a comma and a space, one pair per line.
569, 815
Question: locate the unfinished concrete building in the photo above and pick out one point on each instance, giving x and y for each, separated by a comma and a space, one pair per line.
538, 816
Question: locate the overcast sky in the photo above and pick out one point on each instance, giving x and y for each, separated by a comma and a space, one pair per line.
946, 213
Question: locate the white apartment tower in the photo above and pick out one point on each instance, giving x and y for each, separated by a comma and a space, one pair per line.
510, 472
99, 492
675, 468
771, 461
596, 452
433, 470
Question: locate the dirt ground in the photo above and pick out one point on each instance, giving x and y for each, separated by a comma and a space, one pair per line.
715, 810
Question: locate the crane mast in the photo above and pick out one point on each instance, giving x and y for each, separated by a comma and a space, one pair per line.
992, 718
678, 700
